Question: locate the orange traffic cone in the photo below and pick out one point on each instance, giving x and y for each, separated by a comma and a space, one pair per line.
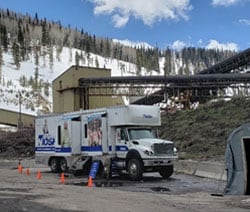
20, 168
39, 175
28, 172
62, 178
90, 183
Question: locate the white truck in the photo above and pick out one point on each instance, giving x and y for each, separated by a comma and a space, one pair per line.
120, 136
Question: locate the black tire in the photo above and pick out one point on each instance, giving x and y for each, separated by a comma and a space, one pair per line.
63, 165
135, 169
54, 165
105, 170
166, 171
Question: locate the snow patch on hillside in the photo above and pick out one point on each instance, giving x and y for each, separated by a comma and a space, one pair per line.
12, 93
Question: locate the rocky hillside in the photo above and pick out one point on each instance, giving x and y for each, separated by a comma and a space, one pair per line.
202, 133
18, 144
198, 134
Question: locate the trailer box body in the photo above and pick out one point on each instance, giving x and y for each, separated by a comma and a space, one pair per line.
134, 115
122, 134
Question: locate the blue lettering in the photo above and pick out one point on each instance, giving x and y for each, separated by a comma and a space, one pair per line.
46, 140
147, 116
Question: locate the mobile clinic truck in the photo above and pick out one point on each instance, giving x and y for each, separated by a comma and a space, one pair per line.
121, 134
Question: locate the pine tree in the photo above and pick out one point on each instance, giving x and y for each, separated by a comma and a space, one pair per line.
36, 19
16, 54
1, 63
4, 37
31, 82
20, 36
167, 64
76, 58
45, 34
101, 48
96, 62
107, 48
51, 57
46, 88
23, 81
139, 60
36, 74
122, 68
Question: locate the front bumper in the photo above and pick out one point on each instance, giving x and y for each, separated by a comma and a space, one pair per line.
159, 162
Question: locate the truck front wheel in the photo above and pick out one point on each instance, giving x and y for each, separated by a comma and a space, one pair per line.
54, 165
135, 169
166, 171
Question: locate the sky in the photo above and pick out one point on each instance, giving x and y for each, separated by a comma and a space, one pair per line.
221, 24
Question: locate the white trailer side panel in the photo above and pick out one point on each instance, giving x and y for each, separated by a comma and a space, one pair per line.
140, 115
46, 134
94, 134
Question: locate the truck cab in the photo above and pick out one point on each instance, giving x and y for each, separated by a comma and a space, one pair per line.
142, 151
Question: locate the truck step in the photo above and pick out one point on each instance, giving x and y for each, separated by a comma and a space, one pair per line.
115, 169
79, 163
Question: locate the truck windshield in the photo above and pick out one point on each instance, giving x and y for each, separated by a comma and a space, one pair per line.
140, 133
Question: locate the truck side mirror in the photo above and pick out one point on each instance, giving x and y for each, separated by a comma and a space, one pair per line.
118, 135
155, 133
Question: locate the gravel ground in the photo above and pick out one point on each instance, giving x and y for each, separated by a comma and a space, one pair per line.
22, 192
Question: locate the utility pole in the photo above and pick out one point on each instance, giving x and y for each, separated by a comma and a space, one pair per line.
20, 123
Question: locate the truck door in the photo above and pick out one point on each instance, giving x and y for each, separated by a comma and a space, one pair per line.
69, 135
122, 142
105, 144
76, 137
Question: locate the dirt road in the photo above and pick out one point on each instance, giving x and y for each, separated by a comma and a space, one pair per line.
22, 192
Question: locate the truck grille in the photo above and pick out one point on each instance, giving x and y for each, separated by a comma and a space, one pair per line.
163, 149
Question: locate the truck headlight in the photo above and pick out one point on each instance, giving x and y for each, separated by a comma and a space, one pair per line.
148, 152
175, 151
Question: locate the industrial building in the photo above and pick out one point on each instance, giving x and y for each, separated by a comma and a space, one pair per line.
68, 96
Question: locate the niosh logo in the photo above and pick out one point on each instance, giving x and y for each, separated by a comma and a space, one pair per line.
147, 116
46, 140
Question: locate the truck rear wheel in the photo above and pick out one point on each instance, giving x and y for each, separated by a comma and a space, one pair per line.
63, 165
135, 169
54, 165
166, 171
